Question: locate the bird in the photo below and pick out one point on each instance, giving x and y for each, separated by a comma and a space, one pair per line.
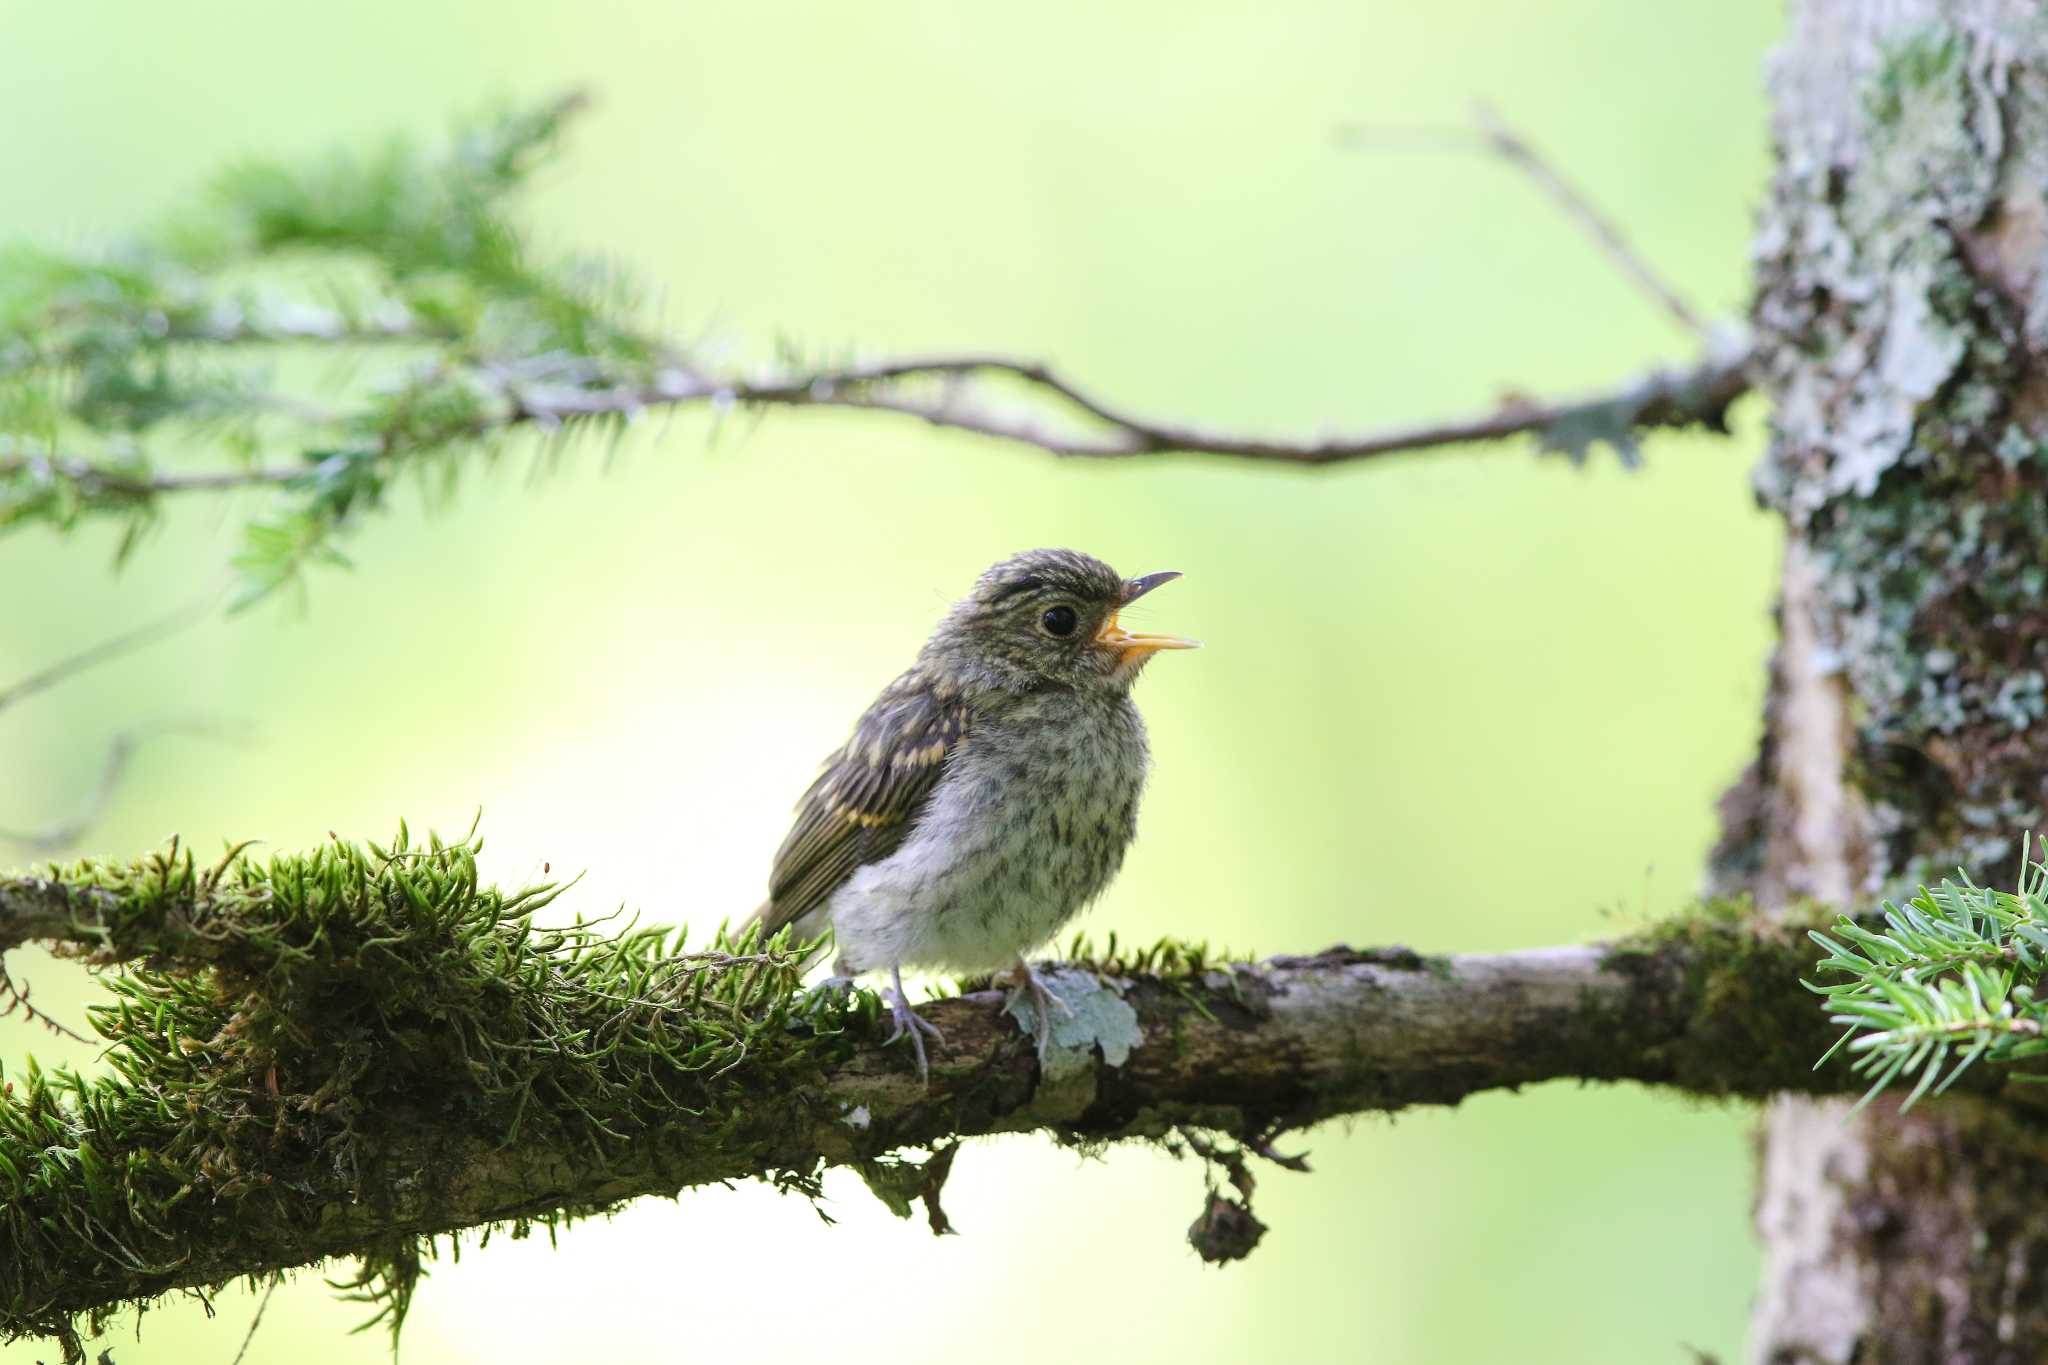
986, 795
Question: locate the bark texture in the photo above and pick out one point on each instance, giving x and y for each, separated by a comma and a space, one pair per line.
1902, 325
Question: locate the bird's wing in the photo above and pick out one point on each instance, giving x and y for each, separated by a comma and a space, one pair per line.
868, 796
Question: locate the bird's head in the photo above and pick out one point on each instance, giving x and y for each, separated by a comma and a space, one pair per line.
1050, 616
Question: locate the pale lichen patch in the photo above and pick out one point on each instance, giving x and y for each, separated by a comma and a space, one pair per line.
1100, 1018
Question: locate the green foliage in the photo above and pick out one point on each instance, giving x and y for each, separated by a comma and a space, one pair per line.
409, 263
1165, 957
357, 1023
1954, 973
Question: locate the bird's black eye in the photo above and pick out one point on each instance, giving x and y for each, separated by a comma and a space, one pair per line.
1059, 621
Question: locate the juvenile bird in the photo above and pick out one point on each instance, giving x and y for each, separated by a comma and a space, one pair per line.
987, 794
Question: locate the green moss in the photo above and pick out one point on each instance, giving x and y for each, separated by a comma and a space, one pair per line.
1165, 957
314, 1014
1722, 970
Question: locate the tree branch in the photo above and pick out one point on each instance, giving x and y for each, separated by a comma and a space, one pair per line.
482, 335
332, 1054
98, 479
1699, 395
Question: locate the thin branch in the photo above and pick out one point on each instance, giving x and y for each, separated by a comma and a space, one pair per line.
94, 478
52, 840
286, 323
518, 345
56, 838
955, 392
1699, 395
282, 323
1490, 133
141, 637
1602, 229
262, 1305
14, 999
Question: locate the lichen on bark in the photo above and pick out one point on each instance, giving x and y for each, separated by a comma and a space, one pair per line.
1903, 340
1902, 321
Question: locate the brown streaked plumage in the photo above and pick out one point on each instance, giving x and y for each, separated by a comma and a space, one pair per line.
862, 804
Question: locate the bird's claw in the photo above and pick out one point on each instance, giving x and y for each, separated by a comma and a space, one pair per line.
1044, 1001
906, 1021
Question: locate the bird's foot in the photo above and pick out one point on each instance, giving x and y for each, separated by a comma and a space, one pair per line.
1044, 1001
907, 1021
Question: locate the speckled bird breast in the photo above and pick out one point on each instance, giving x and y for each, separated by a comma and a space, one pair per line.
1027, 826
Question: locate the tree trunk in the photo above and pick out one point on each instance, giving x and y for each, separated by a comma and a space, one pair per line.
1902, 320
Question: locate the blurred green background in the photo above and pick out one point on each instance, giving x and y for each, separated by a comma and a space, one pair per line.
1464, 700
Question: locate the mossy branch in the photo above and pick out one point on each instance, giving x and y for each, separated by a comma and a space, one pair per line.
351, 1051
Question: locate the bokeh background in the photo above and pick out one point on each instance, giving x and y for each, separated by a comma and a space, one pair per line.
1465, 700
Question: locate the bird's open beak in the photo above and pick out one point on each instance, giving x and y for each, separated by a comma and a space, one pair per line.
1135, 647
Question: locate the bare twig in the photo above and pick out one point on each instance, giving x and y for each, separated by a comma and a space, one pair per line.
947, 392
14, 1000
283, 324
184, 618
58, 838
1582, 210
1490, 133
92, 477
55, 839
257, 1321
1700, 395
261, 323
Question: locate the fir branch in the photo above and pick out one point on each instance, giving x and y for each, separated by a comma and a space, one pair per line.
1697, 396
354, 1050
1953, 973
412, 264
